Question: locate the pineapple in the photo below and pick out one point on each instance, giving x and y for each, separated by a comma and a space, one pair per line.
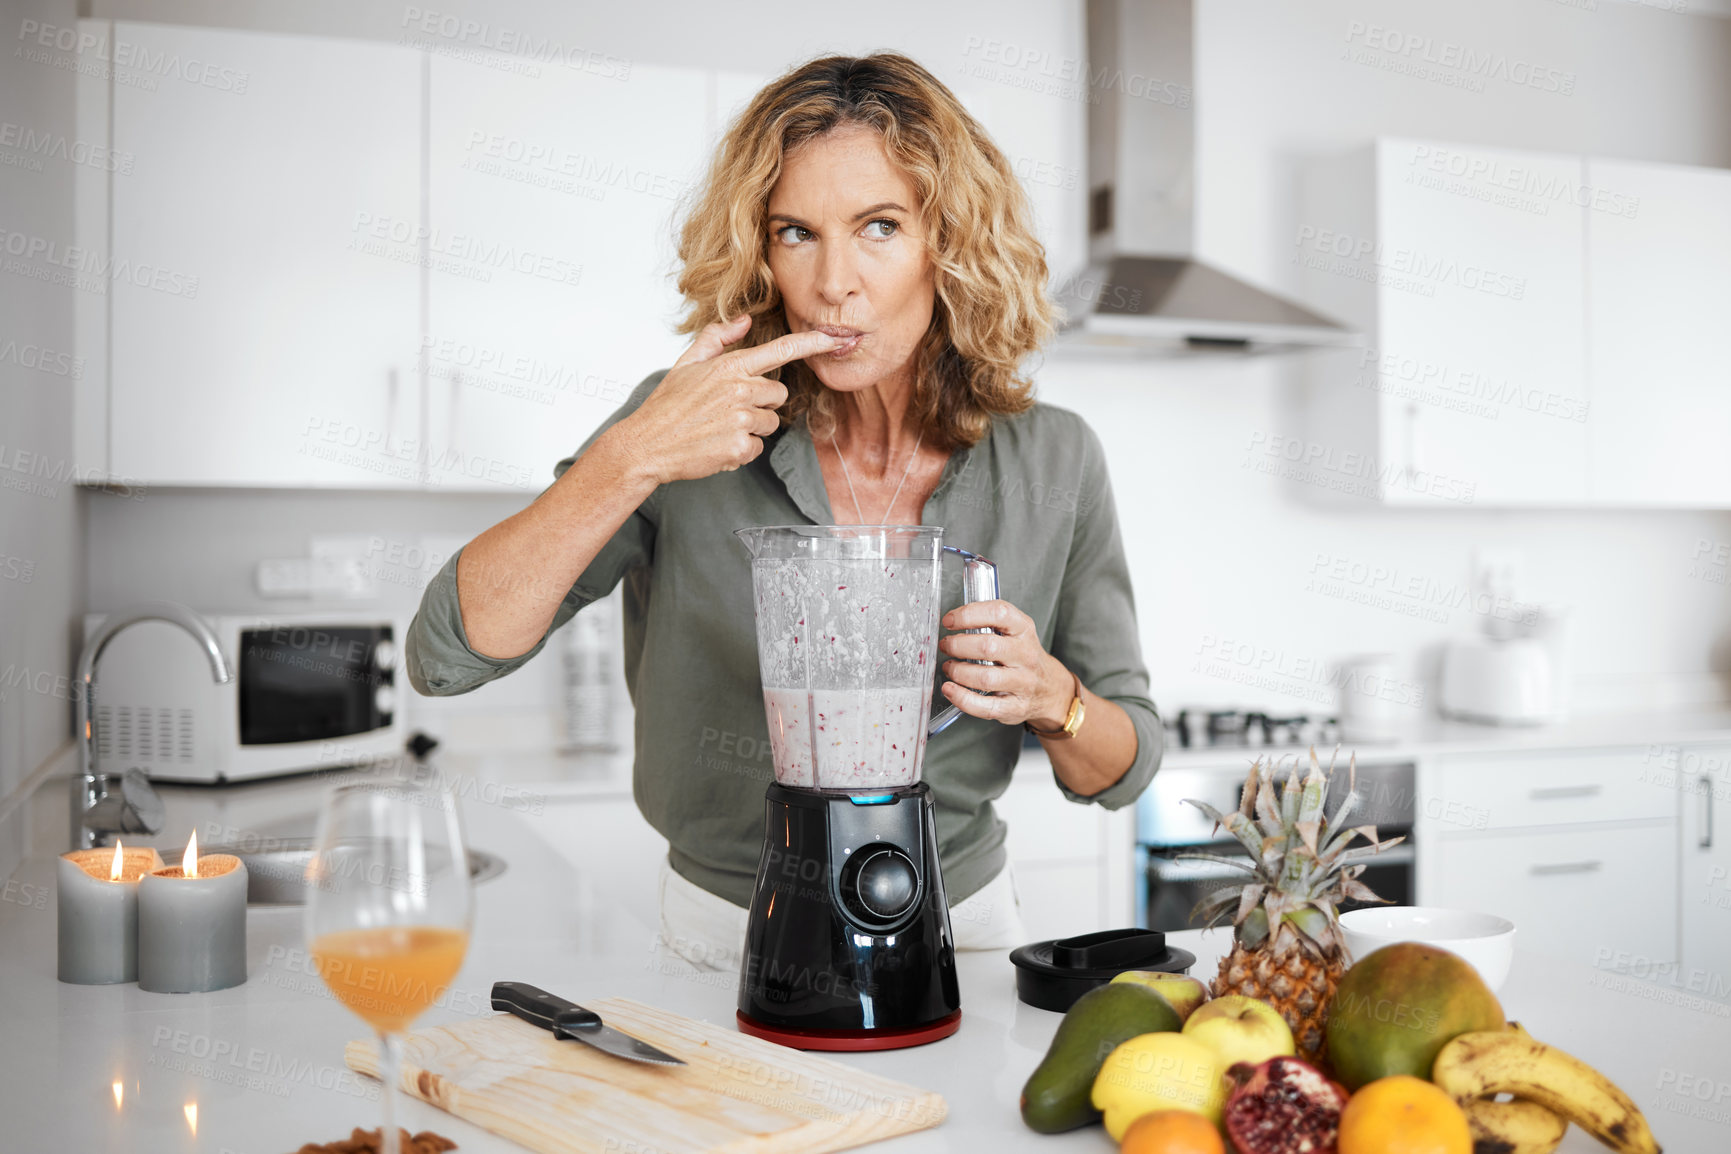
1287, 946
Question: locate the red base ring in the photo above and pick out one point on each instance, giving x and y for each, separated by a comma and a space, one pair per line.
852, 1040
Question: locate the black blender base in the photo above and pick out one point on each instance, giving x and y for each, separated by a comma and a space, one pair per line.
852, 1040
848, 943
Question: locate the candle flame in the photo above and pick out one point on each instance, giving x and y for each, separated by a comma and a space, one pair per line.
114, 871
189, 869
192, 1117
119, 1094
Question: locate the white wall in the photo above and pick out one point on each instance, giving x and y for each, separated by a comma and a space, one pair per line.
1229, 553
1219, 551
1227, 560
41, 587
203, 548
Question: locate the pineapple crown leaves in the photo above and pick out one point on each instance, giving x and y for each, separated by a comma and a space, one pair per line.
1300, 866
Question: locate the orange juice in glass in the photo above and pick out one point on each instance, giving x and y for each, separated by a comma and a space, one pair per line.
388, 976
389, 906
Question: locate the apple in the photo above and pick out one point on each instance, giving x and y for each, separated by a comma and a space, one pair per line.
1181, 991
1241, 1029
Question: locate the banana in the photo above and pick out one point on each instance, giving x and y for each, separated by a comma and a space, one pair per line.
1483, 1064
1515, 1127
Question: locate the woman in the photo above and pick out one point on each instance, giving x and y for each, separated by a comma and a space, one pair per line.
864, 283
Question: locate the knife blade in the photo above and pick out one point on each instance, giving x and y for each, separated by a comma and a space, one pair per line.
569, 1020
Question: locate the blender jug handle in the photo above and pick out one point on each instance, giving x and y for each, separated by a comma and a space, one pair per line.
979, 583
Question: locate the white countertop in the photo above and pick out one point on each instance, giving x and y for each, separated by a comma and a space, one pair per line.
1434, 735
550, 922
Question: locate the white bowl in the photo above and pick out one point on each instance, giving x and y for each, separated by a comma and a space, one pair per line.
1485, 940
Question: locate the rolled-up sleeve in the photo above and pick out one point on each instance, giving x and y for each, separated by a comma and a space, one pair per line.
437, 655
1094, 631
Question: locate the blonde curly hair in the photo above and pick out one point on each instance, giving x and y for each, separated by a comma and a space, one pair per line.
991, 309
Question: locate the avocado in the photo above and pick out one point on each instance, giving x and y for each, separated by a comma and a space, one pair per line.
1056, 1096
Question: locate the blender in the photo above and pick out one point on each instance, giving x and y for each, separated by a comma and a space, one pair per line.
848, 943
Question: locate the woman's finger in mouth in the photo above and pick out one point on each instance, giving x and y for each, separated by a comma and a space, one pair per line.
849, 337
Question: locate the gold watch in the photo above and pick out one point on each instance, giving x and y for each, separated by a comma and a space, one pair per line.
1072, 719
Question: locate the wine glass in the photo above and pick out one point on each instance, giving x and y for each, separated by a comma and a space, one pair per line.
389, 904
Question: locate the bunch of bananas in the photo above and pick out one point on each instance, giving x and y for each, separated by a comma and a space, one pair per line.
1550, 1089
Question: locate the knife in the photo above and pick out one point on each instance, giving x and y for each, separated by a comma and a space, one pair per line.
569, 1020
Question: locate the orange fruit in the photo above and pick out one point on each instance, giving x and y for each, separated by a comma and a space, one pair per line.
1403, 1115
1172, 1132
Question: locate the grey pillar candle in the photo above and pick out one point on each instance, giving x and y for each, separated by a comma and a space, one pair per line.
192, 930
98, 914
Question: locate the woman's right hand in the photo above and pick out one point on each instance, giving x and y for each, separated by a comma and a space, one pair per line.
712, 410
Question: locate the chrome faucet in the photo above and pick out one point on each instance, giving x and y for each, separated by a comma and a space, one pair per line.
98, 808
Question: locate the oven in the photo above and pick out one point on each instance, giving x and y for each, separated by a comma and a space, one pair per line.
1169, 888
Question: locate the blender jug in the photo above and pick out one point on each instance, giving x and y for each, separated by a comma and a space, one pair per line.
847, 626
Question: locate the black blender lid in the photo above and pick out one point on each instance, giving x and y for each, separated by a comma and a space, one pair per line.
1053, 974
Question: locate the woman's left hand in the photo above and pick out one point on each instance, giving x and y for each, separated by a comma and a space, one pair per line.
1027, 683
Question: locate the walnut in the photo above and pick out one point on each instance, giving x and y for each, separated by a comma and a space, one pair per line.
371, 1141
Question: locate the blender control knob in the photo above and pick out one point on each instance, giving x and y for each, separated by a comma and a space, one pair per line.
886, 883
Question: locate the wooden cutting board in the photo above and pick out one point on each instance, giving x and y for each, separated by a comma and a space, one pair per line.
736, 1092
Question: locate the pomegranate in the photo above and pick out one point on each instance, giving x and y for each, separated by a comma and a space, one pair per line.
1284, 1106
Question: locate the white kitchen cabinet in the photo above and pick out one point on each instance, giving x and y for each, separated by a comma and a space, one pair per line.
265, 296
1541, 330
1073, 863
552, 200
364, 266
1060, 899
1659, 277
1491, 296
1577, 847
1471, 388
1536, 790
1703, 777
1585, 894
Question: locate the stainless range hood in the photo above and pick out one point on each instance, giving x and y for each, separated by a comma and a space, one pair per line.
1142, 290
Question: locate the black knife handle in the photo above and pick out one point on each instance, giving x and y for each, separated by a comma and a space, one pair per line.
541, 1008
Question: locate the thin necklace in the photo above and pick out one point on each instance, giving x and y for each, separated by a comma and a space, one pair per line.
850, 491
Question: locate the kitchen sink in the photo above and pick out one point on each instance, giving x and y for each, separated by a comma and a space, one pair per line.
275, 876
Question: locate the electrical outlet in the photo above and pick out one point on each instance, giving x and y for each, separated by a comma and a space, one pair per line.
340, 569
1496, 585
1497, 570
285, 577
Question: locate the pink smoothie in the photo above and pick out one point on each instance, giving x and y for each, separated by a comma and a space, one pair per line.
846, 739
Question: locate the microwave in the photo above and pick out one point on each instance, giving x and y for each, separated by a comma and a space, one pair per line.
307, 691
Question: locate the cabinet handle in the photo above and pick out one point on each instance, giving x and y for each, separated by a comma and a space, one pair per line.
424, 474
1706, 840
391, 404
1560, 792
455, 420
1567, 867
1411, 445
